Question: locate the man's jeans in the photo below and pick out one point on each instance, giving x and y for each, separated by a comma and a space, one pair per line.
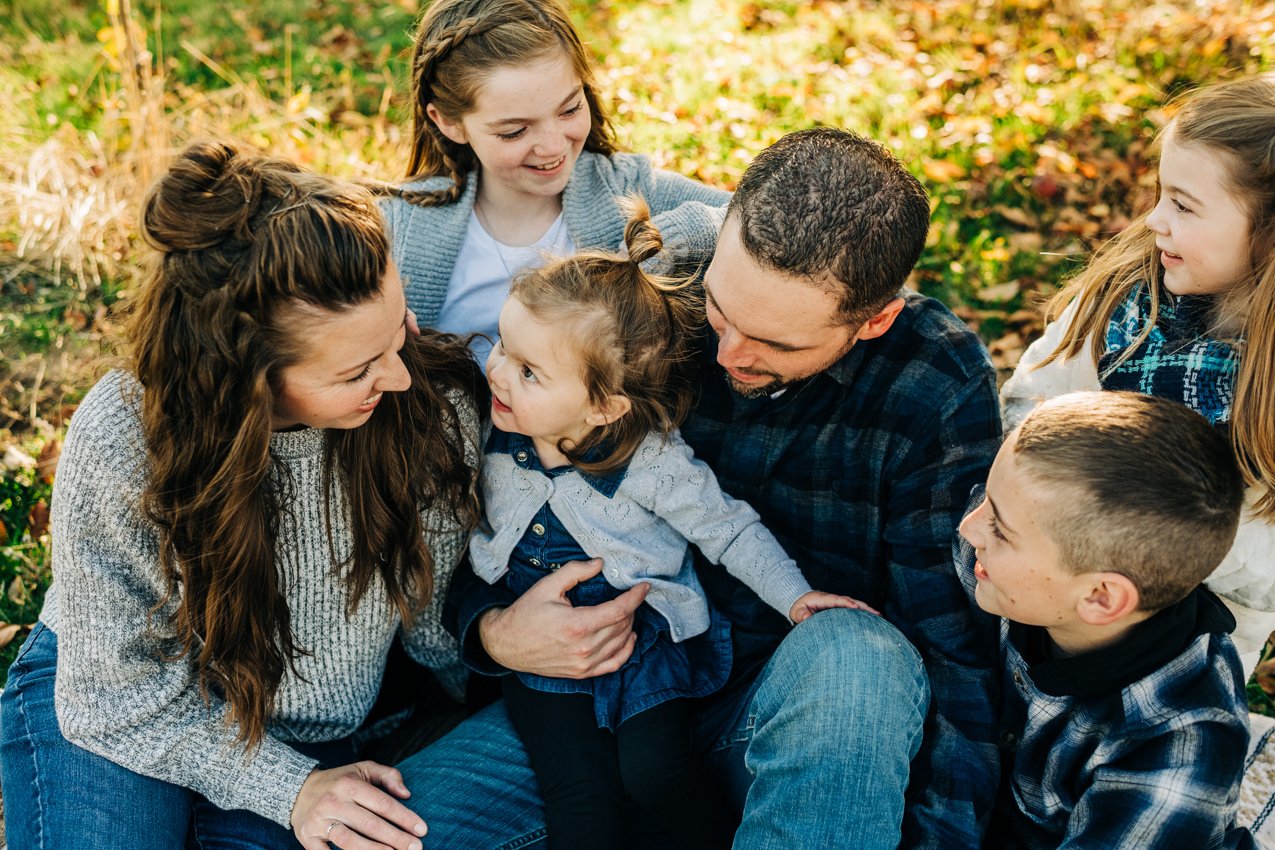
58, 795
816, 752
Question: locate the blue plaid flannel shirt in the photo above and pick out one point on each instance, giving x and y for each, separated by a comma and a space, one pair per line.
1141, 744
863, 472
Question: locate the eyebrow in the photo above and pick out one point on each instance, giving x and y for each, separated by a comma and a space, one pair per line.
524, 361
354, 370
772, 343
506, 121
1178, 190
1000, 520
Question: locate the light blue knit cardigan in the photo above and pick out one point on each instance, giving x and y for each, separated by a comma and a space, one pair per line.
688, 215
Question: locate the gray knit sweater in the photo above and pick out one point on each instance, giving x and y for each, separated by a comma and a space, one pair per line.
688, 214
116, 698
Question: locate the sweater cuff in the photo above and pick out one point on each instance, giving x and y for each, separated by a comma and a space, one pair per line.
788, 586
269, 783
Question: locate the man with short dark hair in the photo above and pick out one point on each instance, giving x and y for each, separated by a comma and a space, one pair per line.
855, 417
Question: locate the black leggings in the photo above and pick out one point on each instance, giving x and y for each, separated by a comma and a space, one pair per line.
587, 774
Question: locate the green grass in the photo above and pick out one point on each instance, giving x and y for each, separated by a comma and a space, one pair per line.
24, 554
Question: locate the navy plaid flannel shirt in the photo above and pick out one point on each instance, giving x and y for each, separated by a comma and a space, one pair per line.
862, 472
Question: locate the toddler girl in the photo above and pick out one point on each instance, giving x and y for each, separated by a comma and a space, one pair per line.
1182, 305
512, 157
584, 460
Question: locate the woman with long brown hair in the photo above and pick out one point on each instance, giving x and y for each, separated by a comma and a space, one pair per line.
244, 520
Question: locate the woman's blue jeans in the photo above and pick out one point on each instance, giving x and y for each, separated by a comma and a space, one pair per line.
815, 753
58, 795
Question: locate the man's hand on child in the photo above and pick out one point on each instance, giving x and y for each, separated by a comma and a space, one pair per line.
544, 634
817, 600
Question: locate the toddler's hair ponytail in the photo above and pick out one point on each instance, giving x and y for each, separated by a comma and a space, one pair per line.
641, 238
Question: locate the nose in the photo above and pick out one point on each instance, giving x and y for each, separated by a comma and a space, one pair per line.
970, 527
549, 143
732, 349
493, 366
1158, 219
395, 378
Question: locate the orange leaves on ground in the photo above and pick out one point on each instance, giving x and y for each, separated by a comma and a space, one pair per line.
942, 170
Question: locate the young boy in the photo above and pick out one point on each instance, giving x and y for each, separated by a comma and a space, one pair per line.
1124, 720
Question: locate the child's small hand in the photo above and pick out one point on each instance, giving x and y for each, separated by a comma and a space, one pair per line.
817, 600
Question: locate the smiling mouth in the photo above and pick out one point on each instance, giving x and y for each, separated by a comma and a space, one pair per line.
548, 166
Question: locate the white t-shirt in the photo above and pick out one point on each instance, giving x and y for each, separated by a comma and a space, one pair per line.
480, 279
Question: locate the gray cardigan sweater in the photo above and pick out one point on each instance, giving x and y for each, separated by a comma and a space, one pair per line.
114, 695
639, 525
688, 214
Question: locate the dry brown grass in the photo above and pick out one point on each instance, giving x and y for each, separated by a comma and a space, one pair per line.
70, 203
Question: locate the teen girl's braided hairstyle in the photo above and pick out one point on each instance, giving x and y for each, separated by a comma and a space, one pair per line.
458, 44
633, 331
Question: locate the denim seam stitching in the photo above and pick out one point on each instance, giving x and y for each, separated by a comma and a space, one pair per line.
21, 706
525, 840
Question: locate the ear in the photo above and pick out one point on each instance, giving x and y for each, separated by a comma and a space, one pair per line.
452, 130
1110, 597
609, 411
881, 322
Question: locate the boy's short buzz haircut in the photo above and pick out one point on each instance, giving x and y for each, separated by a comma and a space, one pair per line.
1139, 485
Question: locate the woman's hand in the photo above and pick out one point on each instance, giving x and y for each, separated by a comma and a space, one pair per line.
544, 634
816, 600
345, 807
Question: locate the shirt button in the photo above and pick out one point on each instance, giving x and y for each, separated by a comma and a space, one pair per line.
1008, 739
521, 457
535, 562
614, 573
554, 566
1018, 678
538, 530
